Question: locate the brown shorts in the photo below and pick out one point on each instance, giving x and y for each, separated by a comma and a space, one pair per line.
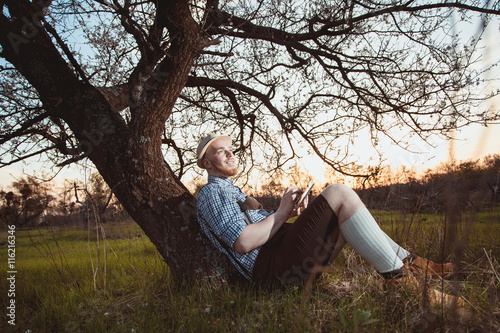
297, 248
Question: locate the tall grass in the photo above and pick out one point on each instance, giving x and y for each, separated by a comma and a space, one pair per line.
61, 286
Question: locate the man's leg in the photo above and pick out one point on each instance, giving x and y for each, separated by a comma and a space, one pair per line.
400, 252
361, 231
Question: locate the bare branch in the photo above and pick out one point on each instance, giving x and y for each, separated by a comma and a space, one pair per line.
26, 156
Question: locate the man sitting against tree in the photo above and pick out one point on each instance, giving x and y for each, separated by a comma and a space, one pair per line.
266, 249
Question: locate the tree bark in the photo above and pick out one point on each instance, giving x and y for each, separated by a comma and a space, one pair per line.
128, 156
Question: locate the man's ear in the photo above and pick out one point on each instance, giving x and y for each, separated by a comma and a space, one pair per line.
206, 163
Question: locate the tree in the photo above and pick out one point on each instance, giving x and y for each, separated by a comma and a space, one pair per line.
27, 203
154, 76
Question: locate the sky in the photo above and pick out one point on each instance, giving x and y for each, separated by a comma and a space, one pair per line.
472, 142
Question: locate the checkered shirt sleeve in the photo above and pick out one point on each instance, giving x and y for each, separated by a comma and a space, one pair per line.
219, 214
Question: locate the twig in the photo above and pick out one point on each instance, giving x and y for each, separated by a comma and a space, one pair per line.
491, 264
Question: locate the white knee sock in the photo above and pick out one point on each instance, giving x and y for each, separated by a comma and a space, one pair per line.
400, 252
363, 233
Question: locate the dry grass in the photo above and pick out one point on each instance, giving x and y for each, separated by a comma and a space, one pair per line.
61, 287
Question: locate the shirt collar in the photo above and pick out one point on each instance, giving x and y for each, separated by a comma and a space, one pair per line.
220, 180
227, 185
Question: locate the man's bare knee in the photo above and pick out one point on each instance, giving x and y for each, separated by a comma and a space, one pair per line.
337, 192
343, 200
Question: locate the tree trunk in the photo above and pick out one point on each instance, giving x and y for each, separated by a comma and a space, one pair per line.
128, 156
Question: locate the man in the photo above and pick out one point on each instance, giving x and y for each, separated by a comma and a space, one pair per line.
265, 248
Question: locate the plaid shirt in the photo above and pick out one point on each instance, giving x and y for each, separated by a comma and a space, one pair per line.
219, 214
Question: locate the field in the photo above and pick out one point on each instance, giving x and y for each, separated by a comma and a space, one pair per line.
72, 280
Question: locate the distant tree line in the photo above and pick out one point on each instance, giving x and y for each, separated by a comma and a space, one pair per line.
31, 202
470, 185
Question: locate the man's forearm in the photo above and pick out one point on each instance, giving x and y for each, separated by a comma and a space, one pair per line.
257, 234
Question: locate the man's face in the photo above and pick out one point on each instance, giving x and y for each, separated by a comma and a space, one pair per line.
219, 159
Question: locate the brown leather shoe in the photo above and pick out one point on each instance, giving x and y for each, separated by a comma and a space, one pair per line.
404, 278
421, 266
438, 298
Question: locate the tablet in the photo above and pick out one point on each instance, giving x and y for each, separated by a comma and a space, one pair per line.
305, 194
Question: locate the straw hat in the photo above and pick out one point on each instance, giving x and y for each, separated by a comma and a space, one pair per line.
204, 144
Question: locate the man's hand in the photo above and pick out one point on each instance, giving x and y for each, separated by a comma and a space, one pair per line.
257, 234
289, 201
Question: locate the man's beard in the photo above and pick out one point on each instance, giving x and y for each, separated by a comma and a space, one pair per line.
227, 171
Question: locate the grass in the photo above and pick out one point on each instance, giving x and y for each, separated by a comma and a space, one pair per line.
72, 280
